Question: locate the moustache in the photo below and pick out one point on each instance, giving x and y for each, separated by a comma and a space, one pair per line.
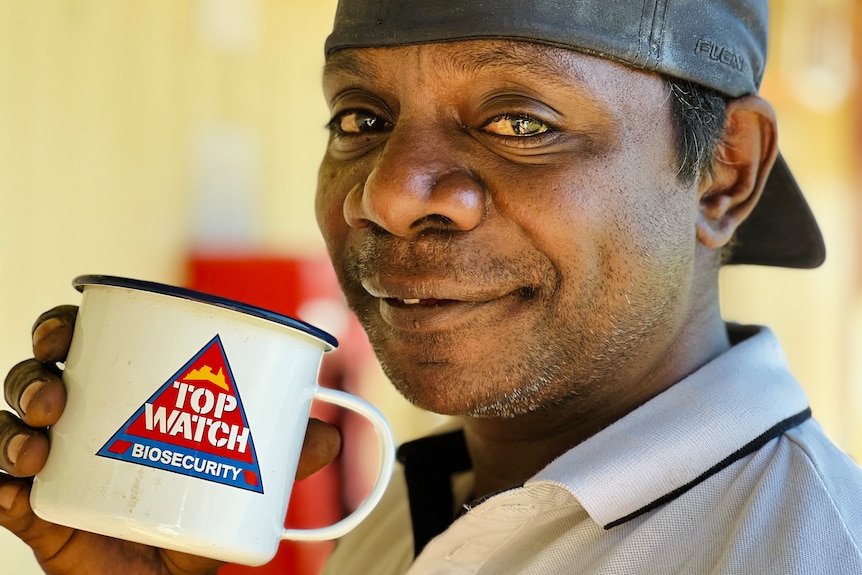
452, 256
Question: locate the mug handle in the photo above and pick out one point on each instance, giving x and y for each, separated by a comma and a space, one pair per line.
387, 463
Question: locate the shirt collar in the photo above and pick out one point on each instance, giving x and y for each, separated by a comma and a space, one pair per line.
721, 412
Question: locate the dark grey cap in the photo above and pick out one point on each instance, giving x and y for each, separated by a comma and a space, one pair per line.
720, 44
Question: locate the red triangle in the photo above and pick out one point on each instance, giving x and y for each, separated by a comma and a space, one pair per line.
199, 409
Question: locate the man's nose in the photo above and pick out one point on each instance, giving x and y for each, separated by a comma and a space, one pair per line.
418, 184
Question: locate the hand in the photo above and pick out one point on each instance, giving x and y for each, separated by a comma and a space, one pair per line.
34, 389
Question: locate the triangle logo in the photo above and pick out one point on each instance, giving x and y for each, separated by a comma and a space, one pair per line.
193, 425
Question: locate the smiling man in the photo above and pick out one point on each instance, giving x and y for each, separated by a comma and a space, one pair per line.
528, 204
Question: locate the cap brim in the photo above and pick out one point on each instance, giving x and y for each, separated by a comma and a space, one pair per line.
781, 230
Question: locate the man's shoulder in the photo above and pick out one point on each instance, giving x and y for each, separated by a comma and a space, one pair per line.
827, 475
797, 504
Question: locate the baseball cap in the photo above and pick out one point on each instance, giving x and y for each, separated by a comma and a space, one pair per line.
719, 44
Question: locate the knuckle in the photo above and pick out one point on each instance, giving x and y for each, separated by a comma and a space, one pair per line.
20, 376
22, 439
66, 314
52, 333
9, 428
42, 402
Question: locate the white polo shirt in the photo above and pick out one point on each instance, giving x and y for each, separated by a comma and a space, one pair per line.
723, 473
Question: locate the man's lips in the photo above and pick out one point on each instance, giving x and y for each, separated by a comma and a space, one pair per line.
407, 302
429, 292
432, 306
441, 315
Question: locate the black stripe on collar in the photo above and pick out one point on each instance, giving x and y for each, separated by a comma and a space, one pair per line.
747, 449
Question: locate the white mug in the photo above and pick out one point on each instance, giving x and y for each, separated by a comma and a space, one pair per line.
184, 422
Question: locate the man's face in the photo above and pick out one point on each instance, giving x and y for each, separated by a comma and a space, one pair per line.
506, 221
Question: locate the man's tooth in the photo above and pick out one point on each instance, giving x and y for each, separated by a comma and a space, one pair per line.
411, 300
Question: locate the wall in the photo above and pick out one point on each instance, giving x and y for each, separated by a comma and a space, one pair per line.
133, 132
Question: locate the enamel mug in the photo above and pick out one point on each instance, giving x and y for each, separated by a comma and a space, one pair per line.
184, 422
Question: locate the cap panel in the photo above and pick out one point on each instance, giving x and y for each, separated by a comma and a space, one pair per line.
618, 30
717, 44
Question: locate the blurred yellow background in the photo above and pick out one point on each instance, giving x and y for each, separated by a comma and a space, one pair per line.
122, 123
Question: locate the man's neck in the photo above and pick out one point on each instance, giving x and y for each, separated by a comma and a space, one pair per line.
505, 452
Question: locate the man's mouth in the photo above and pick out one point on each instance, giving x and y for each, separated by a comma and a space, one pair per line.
407, 302
428, 313
443, 303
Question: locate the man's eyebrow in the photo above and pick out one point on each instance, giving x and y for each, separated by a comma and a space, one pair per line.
544, 62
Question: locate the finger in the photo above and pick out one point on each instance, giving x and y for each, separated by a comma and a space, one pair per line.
60, 549
52, 333
23, 450
36, 392
13, 504
322, 444
16, 515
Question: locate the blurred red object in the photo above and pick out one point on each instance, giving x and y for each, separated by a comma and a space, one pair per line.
295, 287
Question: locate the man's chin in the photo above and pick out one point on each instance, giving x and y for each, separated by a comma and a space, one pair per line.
449, 397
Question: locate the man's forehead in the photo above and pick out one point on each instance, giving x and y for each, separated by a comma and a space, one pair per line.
470, 57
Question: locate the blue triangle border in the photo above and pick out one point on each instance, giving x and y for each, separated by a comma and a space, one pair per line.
178, 459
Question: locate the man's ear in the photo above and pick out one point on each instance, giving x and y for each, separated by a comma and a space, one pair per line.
742, 162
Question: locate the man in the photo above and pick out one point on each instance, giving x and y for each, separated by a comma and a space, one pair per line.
528, 204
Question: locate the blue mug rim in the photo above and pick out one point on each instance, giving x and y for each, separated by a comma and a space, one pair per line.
80, 282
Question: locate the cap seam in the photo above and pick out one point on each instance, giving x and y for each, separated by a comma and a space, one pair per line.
643, 37
656, 42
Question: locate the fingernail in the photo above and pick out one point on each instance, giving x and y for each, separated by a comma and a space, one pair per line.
8, 493
13, 449
31, 391
44, 328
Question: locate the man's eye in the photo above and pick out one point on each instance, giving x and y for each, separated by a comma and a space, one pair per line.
508, 125
358, 123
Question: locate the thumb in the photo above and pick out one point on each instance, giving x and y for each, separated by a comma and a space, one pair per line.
322, 444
